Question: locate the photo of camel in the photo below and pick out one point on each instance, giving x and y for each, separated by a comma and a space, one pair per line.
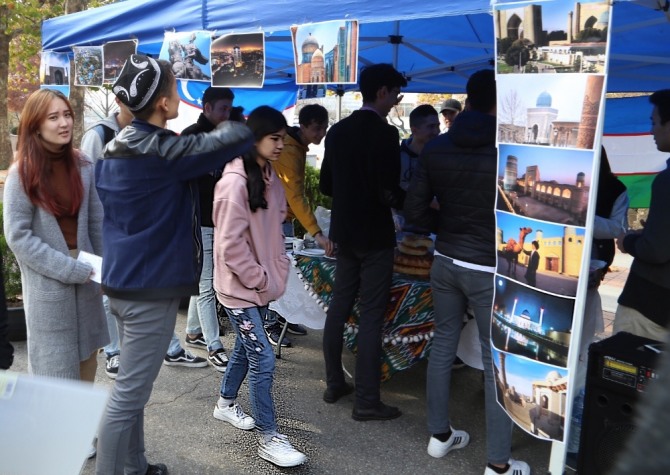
532, 393
539, 254
547, 184
532, 324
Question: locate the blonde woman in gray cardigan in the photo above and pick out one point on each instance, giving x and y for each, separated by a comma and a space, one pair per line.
51, 212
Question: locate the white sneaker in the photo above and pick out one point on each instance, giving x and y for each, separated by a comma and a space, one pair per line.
279, 451
516, 467
457, 440
234, 415
92, 451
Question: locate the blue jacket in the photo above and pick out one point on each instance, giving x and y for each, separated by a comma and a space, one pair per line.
151, 229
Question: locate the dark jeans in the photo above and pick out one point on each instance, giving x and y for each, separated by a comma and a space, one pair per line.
6, 348
367, 272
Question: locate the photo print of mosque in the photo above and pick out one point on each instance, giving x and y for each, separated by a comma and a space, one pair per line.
559, 250
326, 53
54, 69
550, 184
532, 393
532, 324
555, 111
238, 60
552, 37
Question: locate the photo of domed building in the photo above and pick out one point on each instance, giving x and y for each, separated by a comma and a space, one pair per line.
326, 52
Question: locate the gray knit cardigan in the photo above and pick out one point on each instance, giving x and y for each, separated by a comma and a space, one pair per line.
64, 313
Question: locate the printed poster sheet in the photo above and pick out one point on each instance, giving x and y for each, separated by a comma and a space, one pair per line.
551, 60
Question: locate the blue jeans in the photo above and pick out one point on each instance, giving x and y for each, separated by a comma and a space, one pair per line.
114, 345
252, 353
202, 308
454, 287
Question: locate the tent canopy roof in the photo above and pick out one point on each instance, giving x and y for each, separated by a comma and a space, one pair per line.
442, 42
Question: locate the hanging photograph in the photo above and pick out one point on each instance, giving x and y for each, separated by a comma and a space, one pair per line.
552, 37
326, 53
548, 184
87, 65
65, 90
54, 69
114, 55
558, 110
532, 393
531, 324
238, 60
539, 254
188, 53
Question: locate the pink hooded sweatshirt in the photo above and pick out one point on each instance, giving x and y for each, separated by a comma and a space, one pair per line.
250, 262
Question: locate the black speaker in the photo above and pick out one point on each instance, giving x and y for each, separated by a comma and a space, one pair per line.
619, 369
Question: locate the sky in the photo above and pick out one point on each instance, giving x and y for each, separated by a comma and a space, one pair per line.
252, 41
522, 372
555, 163
566, 91
325, 34
510, 224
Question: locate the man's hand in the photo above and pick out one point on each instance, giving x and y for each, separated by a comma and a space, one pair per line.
325, 243
619, 243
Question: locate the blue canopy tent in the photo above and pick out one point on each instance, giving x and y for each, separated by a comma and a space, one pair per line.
437, 45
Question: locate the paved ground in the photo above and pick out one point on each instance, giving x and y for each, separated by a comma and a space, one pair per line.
181, 432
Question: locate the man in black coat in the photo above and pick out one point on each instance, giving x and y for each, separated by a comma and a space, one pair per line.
533, 263
361, 171
460, 169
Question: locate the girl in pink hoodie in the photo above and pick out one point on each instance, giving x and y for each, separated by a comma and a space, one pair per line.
250, 270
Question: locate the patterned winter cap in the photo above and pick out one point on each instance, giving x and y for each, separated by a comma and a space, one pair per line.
138, 82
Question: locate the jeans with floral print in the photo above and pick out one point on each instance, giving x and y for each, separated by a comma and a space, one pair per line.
253, 354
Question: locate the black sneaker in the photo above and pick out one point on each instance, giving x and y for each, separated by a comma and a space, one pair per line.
112, 366
293, 328
219, 360
157, 469
197, 342
274, 332
184, 358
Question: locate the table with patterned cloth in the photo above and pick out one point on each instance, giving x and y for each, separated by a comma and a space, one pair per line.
408, 326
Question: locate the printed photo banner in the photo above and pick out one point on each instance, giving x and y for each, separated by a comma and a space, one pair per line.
238, 60
188, 52
87, 65
114, 55
551, 60
326, 53
54, 69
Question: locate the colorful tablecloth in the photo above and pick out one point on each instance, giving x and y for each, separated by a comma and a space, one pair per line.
408, 327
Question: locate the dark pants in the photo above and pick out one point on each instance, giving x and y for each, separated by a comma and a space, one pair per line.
6, 348
370, 273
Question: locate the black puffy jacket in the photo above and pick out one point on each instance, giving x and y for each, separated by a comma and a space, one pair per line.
459, 168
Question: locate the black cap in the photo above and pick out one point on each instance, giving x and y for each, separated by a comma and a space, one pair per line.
137, 85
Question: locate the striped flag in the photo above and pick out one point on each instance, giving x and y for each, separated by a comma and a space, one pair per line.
630, 147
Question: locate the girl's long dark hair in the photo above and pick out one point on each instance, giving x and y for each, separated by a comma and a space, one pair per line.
262, 121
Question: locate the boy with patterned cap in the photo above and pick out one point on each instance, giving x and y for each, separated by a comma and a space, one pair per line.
152, 243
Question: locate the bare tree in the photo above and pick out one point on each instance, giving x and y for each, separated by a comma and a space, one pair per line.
98, 103
512, 109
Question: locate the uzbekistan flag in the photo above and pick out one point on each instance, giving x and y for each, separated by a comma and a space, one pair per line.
630, 147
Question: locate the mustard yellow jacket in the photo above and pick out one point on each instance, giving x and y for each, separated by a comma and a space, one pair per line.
290, 168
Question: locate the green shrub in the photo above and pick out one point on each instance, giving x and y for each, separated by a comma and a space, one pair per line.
314, 196
11, 271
